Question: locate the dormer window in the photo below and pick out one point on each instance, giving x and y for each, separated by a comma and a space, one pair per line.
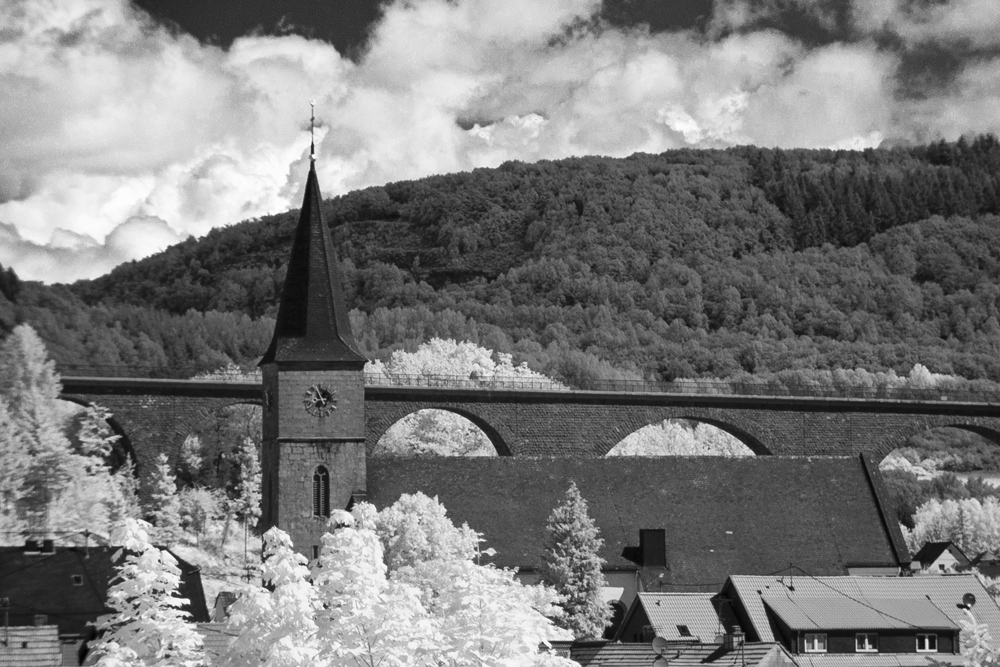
815, 642
684, 631
77, 579
866, 642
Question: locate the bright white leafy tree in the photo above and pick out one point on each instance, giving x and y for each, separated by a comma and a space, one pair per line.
401, 587
49, 484
448, 362
149, 627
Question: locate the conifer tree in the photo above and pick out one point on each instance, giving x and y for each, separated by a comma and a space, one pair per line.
572, 566
164, 503
246, 505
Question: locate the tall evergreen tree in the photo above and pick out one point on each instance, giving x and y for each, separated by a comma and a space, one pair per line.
164, 503
572, 566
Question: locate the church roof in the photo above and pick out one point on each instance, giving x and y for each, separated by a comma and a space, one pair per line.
312, 324
722, 516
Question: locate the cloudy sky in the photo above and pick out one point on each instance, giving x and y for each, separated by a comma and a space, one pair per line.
126, 126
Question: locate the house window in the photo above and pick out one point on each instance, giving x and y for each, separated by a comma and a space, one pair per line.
815, 642
866, 642
684, 631
926, 643
321, 492
315, 552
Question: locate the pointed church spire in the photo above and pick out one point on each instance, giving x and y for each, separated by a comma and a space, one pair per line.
313, 325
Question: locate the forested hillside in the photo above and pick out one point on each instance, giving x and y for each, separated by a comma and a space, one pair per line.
685, 264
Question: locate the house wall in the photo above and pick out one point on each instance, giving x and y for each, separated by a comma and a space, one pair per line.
946, 562
843, 641
632, 630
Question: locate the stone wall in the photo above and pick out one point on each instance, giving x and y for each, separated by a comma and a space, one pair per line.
156, 416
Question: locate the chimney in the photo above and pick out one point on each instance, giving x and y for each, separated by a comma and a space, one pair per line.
734, 638
31, 547
48, 546
653, 547
41, 619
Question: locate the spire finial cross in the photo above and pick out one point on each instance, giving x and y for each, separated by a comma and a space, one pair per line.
312, 130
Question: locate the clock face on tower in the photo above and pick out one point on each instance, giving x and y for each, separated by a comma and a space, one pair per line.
319, 401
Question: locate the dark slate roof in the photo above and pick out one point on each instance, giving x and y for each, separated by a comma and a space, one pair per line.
312, 324
43, 584
596, 654
722, 516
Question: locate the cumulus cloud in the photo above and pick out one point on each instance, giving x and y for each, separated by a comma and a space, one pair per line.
118, 136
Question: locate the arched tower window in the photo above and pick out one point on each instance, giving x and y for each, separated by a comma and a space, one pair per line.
321, 492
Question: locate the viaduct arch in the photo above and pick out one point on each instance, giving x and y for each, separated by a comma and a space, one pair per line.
156, 416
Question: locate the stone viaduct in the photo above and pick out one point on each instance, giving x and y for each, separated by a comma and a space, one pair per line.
155, 416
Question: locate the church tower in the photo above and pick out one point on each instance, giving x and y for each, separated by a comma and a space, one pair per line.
313, 454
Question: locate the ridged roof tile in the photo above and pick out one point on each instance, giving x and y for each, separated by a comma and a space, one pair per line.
850, 601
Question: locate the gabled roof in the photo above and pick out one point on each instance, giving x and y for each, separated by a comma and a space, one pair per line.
722, 515
313, 324
44, 584
30, 646
215, 640
859, 603
847, 613
931, 551
704, 616
596, 654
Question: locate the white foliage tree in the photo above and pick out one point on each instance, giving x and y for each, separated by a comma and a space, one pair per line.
164, 504
277, 626
572, 566
485, 614
437, 606
445, 362
448, 362
149, 626
367, 620
971, 524
672, 438
48, 485
246, 504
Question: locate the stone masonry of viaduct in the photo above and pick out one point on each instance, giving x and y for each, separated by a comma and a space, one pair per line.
156, 415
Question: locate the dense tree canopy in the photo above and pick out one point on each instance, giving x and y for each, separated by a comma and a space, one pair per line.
685, 264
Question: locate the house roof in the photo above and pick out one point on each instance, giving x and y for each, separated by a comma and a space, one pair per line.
312, 323
44, 584
701, 613
877, 659
722, 515
596, 654
216, 638
30, 646
847, 613
931, 551
859, 602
